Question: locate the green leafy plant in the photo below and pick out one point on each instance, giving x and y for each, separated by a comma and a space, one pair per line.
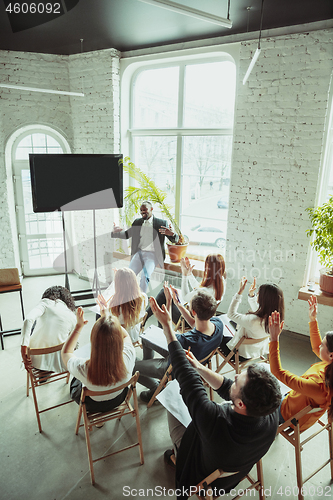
322, 231
146, 190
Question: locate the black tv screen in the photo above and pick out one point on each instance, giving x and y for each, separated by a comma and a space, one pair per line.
76, 181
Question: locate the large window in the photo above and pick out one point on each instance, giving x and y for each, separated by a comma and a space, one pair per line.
181, 126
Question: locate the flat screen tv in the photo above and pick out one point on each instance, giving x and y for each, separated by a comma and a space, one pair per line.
76, 181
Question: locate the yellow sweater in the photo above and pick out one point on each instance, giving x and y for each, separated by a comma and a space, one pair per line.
310, 388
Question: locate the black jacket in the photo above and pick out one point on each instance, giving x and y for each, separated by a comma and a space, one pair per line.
134, 233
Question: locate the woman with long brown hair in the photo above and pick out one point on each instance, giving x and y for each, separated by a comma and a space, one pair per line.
128, 302
254, 324
315, 386
110, 365
213, 281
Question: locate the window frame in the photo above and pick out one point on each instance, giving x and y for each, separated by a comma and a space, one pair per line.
326, 169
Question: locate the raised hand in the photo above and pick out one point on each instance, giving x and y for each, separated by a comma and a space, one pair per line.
192, 359
175, 295
312, 308
116, 229
102, 304
80, 321
275, 327
162, 315
168, 295
185, 266
252, 288
242, 285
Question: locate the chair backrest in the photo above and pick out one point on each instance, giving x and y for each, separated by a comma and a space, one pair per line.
294, 420
203, 485
9, 276
248, 341
208, 358
34, 351
131, 382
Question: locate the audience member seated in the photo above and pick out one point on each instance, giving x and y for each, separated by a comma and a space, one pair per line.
128, 302
315, 386
254, 324
110, 365
48, 324
213, 281
202, 339
231, 436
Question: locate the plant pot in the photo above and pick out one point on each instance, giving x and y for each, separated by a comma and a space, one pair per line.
176, 252
326, 281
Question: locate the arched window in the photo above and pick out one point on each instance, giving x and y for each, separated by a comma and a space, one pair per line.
181, 130
40, 234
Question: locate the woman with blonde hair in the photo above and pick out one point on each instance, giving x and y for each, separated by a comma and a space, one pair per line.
110, 365
128, 302
213, 281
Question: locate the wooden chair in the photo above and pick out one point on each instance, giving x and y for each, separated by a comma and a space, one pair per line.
38, 377
238, 365
92, 419
10, 282
204, 492
168, 376
291, 431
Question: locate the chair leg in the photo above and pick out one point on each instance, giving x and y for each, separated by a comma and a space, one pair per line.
22, 307
67, 378
237, 362
1, 337
35, 403
330, 441
260, 475
138, 427
161, 385
78, 420
298, 462
90, 460
28, 383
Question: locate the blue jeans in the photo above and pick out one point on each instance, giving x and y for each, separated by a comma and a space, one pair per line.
145, 262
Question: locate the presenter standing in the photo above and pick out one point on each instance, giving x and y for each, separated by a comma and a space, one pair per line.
148, 235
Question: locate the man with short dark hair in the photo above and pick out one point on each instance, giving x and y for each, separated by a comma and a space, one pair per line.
202, 340
229, 436
147, 250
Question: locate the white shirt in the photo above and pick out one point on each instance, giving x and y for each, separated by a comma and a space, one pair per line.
147, 235
79, 369
54, 323
250, 326
190, 282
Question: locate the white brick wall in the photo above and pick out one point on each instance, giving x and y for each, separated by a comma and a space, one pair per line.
96, 130
90, 125
279, 133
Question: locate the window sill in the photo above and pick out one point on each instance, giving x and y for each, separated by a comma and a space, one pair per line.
322, 298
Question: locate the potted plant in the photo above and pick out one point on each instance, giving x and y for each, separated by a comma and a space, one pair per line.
322, 230
147, 190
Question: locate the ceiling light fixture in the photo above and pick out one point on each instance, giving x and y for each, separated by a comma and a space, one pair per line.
258, 50
35, 89
190, 11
